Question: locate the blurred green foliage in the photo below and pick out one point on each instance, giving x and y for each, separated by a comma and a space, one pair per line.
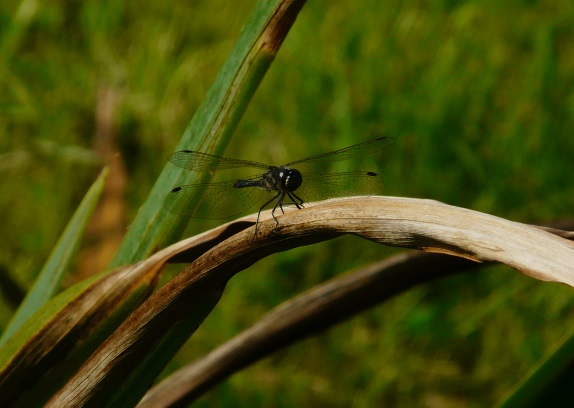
478, 94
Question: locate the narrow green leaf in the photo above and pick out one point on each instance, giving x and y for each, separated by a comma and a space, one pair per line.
48, 281
213, 124
549, 384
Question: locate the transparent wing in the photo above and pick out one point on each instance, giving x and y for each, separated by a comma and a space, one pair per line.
213, 200
198, 161
317, 187
361, 149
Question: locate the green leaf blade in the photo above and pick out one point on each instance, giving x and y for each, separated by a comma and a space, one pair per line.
212, 125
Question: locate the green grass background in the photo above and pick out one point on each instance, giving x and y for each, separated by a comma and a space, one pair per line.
479, 96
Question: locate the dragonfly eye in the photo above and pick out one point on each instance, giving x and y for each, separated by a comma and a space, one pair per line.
292, 180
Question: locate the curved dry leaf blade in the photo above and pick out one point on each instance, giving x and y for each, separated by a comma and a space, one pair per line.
308, 314
150, 337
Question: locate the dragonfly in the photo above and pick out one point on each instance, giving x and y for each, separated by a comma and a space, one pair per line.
282, 185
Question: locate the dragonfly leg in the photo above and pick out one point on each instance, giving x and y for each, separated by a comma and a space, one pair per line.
293, 201
261, 209
279, 204
299, 204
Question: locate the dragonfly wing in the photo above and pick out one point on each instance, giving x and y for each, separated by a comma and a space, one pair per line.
361, 149
317, 187
212, 201
198, 161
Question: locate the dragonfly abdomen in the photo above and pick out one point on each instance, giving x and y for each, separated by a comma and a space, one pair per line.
247, 183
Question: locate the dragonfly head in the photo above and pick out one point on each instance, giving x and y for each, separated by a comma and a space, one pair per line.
291, 179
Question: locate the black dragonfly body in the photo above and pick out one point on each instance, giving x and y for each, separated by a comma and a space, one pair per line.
225, 199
